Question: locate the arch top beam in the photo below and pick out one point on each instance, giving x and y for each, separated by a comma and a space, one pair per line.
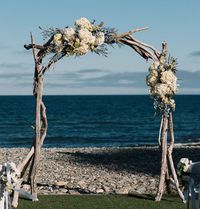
85, 37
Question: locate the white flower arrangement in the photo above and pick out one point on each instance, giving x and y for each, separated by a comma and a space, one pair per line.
85, 37
162, 82
183, 166
9, 177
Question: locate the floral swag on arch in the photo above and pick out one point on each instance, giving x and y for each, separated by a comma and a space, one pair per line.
87, 37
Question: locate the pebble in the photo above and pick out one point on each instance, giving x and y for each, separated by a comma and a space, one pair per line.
121, 191
98, 170
99, 191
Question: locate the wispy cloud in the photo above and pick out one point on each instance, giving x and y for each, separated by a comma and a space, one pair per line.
15, 75
13, 65
134, 81
93, 71
187, 80
195, 54
125, 79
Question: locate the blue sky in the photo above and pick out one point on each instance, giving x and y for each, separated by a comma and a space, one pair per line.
123, 72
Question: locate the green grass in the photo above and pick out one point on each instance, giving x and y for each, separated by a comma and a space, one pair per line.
100, 202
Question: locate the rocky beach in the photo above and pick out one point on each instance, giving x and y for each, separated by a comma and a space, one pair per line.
99, 170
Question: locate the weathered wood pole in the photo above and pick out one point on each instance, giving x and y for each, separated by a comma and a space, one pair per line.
168, 171
41, 124
163, 172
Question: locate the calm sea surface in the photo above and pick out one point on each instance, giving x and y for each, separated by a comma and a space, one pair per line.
82, 121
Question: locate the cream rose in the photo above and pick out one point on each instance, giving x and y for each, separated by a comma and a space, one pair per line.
83, 23
82, 49
168, 77
69, 34
57, 39
86, 36
162, 89
151, 79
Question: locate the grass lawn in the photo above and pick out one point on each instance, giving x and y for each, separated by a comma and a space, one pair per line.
100, 202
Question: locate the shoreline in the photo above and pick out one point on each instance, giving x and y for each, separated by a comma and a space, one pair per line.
153, 145
119, 170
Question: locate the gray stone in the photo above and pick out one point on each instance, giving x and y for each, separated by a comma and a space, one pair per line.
63, 190
73, 192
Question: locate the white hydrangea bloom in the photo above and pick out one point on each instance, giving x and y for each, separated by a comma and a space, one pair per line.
57, 39
86, 36
151, 79
100, 38
162, 83
83, 23
82, 49
162, 89
185, 162
69, 34
168, 77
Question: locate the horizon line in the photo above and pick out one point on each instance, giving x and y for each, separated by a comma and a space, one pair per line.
93, 95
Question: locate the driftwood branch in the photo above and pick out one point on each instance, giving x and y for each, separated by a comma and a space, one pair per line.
140, 49
171, 162
164, 160
145, 45
160, 131
30, 46
145, 50
131, 32
50, 63
171, 128
45, 123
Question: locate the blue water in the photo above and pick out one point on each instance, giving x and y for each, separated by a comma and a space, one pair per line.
82, 121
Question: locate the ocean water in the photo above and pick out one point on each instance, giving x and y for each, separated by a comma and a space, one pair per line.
95, 121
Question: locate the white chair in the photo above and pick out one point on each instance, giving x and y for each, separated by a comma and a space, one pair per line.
193, 192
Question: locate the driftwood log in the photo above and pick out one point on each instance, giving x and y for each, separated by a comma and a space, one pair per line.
31, 161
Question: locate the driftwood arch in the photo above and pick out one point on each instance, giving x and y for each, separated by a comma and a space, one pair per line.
31, 161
